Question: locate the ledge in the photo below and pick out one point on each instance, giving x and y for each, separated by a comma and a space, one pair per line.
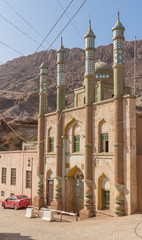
75, 153
103, 154
50, 154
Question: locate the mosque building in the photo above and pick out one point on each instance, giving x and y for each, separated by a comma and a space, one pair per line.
89, 156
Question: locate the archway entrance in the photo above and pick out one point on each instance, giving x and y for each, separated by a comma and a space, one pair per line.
74, 190
49, 187
103, 193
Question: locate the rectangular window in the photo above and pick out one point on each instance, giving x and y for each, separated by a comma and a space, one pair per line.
28, 179
104, 142
76, 143
2, 193
13, 176
51, 144
3, 179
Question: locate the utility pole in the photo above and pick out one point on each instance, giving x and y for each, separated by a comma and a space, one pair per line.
135, 66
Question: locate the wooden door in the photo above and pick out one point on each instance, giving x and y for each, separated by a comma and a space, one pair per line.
50, 192
79, 195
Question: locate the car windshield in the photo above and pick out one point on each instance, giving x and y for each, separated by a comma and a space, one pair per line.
22, 196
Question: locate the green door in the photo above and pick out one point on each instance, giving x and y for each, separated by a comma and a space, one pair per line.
106, 199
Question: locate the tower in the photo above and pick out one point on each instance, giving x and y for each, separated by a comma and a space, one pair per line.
89, 77
61, 74
43, 89
118, 58
89, 80
61, 77
39, 200
118, 73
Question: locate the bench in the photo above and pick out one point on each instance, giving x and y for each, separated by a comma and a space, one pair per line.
48, 214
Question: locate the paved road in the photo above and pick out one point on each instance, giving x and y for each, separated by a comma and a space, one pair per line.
14, 226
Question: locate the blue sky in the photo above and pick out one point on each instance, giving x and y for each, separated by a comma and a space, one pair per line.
42, 15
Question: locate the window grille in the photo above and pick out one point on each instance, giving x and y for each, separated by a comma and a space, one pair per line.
76, 143
51, 144
13, 176
3, 179
28, 179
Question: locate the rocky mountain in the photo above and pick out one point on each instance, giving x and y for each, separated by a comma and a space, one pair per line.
22, 75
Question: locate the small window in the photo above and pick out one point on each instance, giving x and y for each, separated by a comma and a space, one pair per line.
104, 142
2, 193
13, 176
28, 179
11, 194
51, 144
76, 143
3, 179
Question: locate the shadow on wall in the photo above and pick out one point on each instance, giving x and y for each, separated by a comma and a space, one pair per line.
14, 236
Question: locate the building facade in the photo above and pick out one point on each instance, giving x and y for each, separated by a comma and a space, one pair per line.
18, 172
89, 155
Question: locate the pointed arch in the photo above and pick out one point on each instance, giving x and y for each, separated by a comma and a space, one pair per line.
100, 179
67, 125
72, 171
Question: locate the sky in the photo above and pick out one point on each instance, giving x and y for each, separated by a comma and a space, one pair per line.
43, 14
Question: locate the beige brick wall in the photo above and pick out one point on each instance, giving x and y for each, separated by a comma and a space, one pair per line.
18, 160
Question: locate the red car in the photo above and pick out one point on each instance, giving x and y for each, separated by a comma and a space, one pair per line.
16, 201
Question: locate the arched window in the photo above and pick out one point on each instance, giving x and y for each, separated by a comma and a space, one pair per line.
50, 141
103, 137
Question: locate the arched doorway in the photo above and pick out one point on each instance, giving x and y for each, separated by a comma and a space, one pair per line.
103, 193
49, 187
74, 190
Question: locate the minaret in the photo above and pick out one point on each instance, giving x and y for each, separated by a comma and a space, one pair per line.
61, 74
89, 77
39, 200
61, 77
43, 89
89, 81
118, 73
118, 58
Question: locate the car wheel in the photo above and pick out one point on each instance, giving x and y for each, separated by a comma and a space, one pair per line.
15, 207
3, 206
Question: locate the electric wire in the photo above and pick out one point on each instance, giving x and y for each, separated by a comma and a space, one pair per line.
20, 30
54, 26
11, 48
67, 24
3, 118
25, 20
71, 22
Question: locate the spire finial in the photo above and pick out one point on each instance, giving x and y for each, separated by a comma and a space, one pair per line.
118, 11
90, 20
61, 40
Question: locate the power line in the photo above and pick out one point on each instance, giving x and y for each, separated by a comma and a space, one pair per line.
19, 29
11, 48
67, 24
3, 118
25, 20
54, 26
71, 22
